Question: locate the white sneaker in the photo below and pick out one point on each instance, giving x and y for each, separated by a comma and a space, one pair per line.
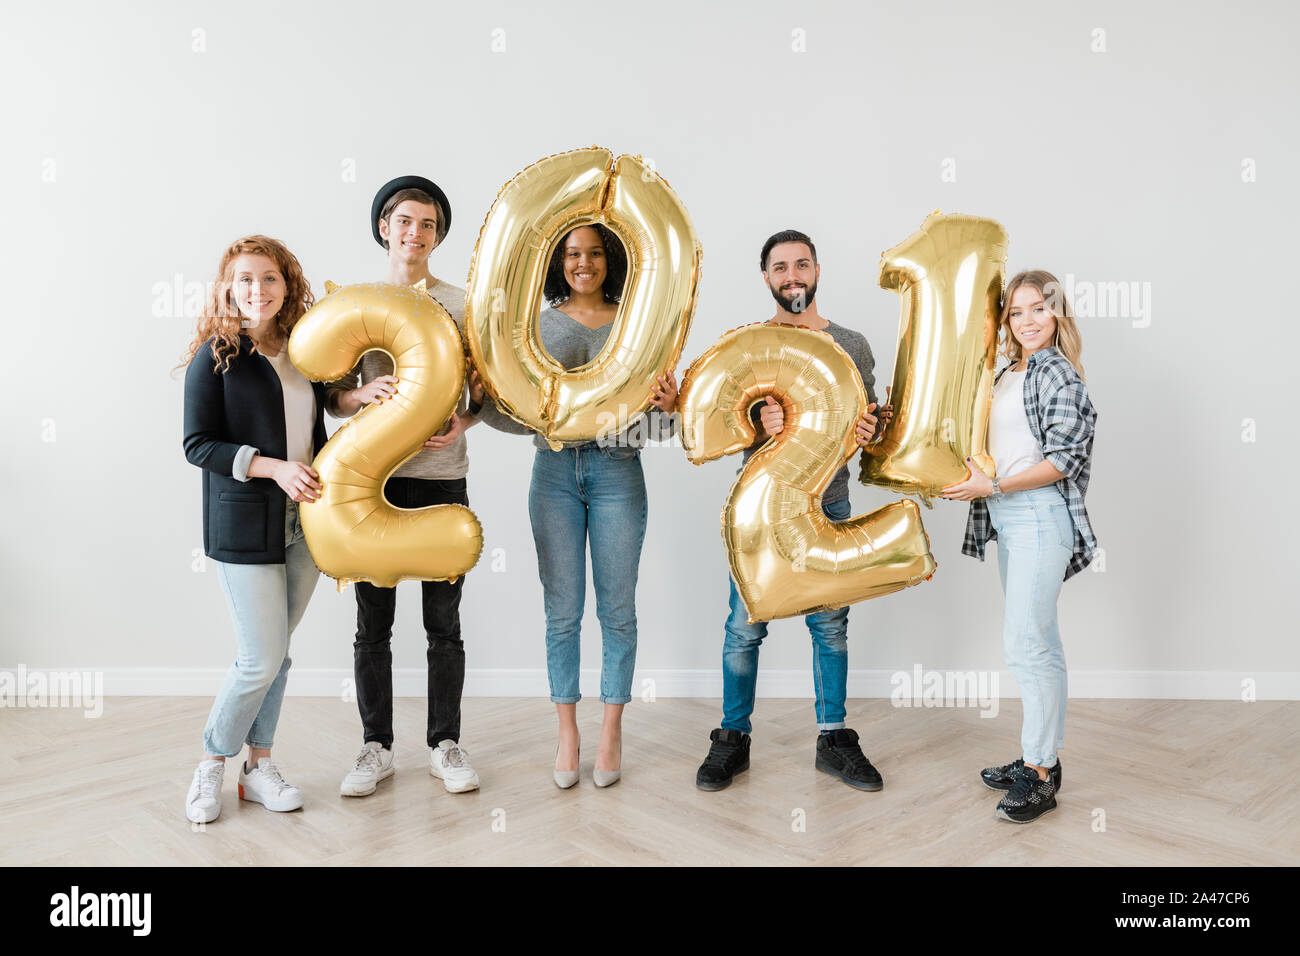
263, 784
203, 802
450, 761
374, 763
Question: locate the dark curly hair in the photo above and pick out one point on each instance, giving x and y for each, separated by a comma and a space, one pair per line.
557, 287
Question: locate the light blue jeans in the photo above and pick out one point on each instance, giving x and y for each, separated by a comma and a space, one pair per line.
581, 493
829, 630
1035, 542
266, 602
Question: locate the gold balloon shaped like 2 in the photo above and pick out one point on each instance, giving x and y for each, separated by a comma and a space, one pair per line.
949, 275
786, 556
508, 273
352, 531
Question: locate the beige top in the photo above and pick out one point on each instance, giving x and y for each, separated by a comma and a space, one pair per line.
299, 408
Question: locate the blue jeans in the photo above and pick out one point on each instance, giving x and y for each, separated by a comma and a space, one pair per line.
576, 494
829, 630
1035, 542
266, 602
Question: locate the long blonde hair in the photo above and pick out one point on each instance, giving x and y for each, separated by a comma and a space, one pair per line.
1066, 338
220, 320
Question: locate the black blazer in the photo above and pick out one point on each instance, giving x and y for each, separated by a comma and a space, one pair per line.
243, 521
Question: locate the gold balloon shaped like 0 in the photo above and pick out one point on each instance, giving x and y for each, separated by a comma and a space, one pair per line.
786, 556
352, 531
949, 275
508, 272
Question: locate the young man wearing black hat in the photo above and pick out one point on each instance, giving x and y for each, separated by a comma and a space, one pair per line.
410, 216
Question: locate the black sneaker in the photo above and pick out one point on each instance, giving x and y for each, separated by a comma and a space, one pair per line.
728, 756
1004, 777
1028, 799
838, 754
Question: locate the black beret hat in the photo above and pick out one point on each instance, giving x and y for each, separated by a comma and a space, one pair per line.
409, 182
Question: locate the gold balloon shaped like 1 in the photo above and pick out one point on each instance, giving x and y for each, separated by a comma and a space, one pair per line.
949, 275
786, 556
352, 531
508, 272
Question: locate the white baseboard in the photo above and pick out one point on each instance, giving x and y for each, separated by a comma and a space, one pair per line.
484, 682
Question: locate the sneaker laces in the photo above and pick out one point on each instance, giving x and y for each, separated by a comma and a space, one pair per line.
368, 759
719, 754
210, 780
454, 756
1026, 780
271, 773
855, 758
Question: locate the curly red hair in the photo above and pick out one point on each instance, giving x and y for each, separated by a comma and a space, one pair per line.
220, 320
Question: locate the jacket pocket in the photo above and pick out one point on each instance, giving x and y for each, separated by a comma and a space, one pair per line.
240, 522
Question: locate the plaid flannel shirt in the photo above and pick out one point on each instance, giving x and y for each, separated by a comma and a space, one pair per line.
1062, 420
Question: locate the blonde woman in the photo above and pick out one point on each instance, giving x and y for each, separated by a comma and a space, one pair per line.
253, 423
1040, 437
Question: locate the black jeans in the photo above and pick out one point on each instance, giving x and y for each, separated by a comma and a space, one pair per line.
372, 657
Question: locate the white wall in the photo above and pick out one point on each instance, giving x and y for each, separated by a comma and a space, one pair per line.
1123, 165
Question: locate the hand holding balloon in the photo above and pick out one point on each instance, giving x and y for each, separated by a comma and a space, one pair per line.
476, 390
299, 481
977, 485
372, 393
665, 392
772, 415
448, 435
866, 427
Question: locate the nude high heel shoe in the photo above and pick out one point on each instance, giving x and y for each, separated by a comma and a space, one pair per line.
607, 778
564, 779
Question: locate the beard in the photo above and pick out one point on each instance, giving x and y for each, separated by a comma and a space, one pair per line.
796, 300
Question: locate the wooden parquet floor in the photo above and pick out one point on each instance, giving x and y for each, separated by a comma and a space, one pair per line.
1192, 783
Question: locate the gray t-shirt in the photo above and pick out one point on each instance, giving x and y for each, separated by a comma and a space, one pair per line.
854, 343
572, 345
436, 463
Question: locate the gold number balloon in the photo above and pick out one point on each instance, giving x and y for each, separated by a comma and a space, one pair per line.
353, 533
949, 275
508, 273
786, 556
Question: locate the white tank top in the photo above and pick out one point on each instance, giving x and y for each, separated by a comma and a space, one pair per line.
1011, 443
299, 408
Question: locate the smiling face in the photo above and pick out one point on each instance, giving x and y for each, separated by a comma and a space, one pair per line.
258, 288
584, 261
792, 275
411, 230
1031, 321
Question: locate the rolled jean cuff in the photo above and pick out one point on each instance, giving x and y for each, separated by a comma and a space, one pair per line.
1046, 765
615, 700
565, 700
260, 746
836, 726
212, 750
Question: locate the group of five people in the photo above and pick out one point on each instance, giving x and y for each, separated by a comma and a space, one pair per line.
254, 424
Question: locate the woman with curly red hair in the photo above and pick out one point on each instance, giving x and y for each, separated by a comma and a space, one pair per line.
254, 424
